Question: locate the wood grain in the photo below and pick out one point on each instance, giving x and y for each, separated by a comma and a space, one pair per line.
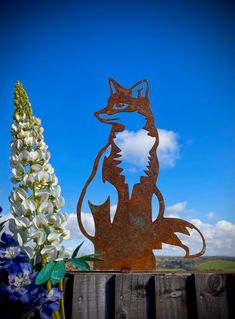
133, 296
171, 297
211, 296
92, 296
115, 295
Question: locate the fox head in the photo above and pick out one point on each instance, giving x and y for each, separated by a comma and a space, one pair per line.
134, 99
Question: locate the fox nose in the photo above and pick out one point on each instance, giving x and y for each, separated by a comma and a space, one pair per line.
103, 111
96, 115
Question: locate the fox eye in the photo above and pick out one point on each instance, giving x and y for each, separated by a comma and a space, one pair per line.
119, 105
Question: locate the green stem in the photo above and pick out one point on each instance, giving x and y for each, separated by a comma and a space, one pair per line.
62, 310
55, 314
48, 285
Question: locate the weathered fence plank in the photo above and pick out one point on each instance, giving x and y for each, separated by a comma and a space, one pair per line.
171, 297
230, 291
113, 295
92, 296
211, 296
134, 296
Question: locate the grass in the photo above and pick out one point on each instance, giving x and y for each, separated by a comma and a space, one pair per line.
225, 265
170, 269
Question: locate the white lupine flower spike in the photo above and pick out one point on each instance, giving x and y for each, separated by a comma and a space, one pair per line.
36, 198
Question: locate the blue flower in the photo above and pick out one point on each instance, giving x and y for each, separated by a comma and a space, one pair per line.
10, 251
17, 279
7, 240
21, 282
50, 303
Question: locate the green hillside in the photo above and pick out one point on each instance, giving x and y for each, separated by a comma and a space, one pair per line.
219, 263
225, 265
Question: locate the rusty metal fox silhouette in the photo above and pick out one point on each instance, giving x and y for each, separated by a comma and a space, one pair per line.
127, 242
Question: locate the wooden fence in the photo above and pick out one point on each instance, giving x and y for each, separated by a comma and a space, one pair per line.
109, 295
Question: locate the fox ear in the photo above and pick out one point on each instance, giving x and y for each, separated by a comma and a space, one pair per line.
140, 89
114, 86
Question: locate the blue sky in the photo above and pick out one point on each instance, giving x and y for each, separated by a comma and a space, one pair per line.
63, 52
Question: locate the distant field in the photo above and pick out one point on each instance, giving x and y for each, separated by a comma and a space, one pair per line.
205, 263
226, 265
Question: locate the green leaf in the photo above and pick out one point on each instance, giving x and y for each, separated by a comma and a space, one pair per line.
92, 257
45, 273
80, 264
76, 250
58, 272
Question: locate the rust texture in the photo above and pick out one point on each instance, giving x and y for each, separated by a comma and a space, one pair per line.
127, 242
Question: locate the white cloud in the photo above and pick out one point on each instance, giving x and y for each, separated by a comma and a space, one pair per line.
168, 149
220, 237
176, 208
88, 223
76, 237
135, 147
210, 215
113, 211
